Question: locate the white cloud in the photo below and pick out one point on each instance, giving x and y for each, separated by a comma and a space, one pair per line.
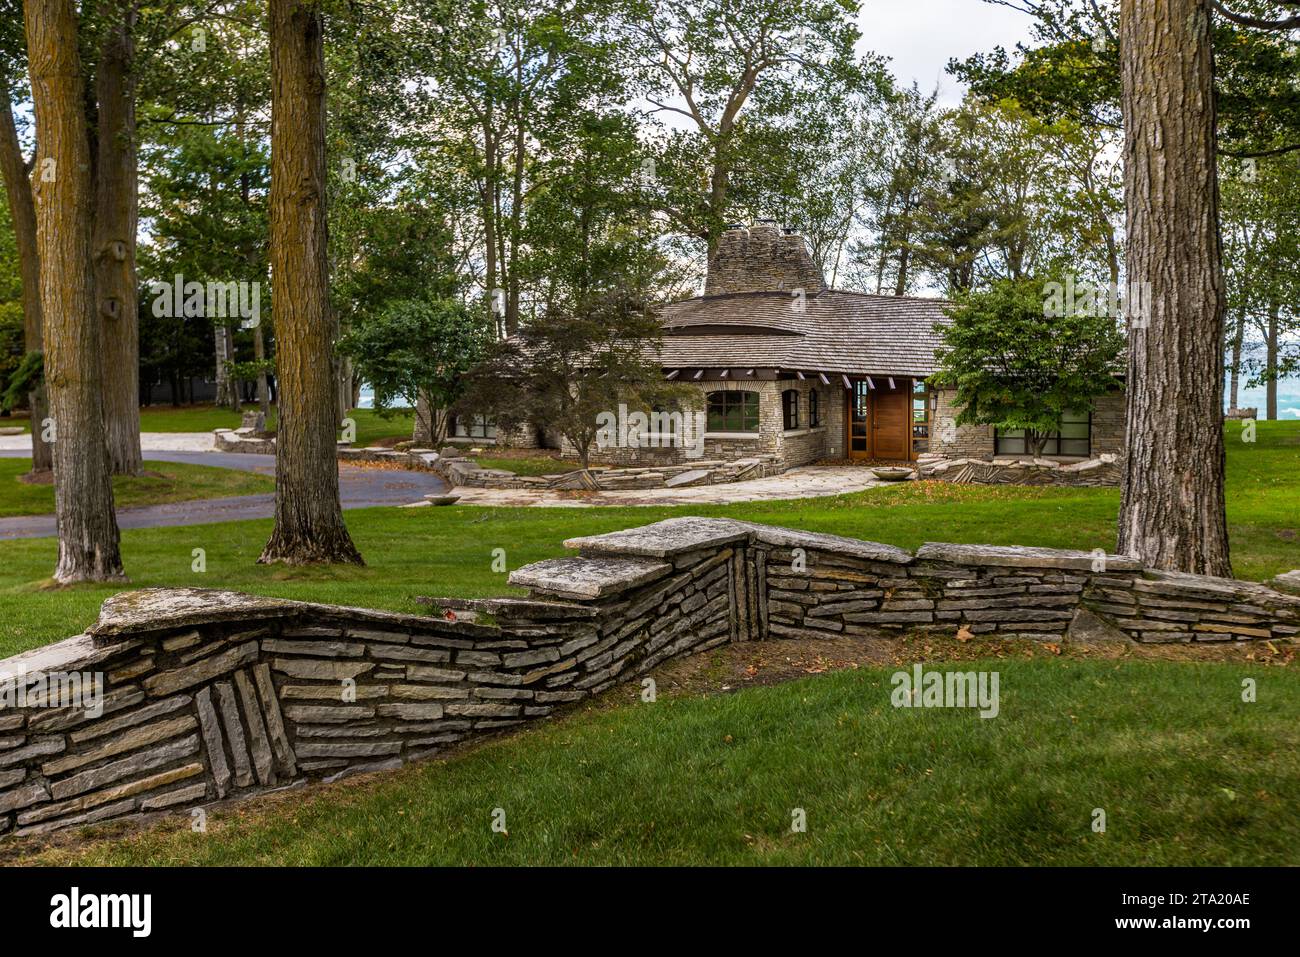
919, 36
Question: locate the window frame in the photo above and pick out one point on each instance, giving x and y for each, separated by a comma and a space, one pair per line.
725, 407
814, 409
790, 410
1055, 442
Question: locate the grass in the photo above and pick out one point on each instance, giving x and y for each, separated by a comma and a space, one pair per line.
534, 464
371, 426
1186, 773
448, 551
163, 482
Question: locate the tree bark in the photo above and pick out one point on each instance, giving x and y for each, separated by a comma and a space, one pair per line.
22, 210
1172, 504
83, 489
1271, 346
116, 217
1238, 339
309, 524
263, 387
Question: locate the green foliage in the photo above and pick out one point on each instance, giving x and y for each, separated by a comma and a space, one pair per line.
561, 373
418, 348
22, 381
1016, 367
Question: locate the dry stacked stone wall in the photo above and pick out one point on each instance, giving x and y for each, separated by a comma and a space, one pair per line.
211, 695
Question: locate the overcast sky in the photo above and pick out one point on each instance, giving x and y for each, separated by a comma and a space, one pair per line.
919, 37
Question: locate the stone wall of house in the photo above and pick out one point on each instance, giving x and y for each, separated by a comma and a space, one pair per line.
799, 447
1108, 422
761, 259
211, 696
954, 441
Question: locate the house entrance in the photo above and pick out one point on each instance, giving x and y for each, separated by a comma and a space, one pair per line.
879, 420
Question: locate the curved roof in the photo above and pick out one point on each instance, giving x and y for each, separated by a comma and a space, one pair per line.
834, 331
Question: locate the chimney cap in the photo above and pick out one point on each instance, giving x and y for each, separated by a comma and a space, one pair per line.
734, 226
790, 231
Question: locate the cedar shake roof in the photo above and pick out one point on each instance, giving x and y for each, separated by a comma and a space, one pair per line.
836, 332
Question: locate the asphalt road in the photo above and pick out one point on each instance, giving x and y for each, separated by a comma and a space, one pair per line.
358, 488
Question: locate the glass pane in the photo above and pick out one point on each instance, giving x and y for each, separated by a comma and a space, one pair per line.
1074, 447
1074, 430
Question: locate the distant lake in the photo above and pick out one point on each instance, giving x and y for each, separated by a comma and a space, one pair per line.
367, 400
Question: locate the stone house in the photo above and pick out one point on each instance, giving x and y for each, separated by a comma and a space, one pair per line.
787, 369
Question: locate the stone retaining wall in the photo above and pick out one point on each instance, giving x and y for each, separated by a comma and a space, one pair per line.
212, 695
1103, 471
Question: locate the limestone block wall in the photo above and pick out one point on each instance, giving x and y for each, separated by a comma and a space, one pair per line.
790, 449
955, 441
1108, 423
211, 695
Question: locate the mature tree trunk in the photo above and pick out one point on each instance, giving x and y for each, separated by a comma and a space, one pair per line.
1271, 347
263, 388
1172, 506
1234, 370
308, 518
116, 216
223, 344
22, 210
83, 488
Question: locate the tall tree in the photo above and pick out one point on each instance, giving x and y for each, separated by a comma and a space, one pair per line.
710, 66
83, 489
113, 241
1172, 505
309, 524
22, 213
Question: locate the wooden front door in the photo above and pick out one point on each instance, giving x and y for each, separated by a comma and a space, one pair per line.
891, 432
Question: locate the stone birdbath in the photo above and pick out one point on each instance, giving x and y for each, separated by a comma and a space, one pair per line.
892, 473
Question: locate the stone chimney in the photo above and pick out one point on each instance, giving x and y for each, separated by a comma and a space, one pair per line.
762, 259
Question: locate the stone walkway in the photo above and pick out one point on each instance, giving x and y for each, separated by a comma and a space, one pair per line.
806, 482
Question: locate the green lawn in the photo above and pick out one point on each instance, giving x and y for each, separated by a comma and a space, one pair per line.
165, 482
527, 464
371, 426
448, 551
1186, 773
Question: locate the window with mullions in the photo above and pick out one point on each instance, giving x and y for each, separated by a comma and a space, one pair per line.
1073, 438
733, 411
814, 409
474, 427
790, 408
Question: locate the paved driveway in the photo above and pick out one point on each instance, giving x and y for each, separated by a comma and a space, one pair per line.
358, 488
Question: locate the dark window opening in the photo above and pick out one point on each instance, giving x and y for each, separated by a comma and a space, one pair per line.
733, 411
790, 408
1074, 437
814, 410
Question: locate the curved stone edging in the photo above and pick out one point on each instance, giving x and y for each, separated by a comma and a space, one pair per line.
212, 695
